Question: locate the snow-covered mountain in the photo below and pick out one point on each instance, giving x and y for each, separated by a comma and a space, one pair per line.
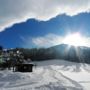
48, 75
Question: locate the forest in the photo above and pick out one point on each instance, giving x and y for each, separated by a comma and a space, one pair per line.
63, 51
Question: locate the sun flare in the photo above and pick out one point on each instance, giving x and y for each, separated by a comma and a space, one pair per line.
74, 39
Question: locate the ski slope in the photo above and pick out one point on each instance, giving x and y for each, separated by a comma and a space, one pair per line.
48, 75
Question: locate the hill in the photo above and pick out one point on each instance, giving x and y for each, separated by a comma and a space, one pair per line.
62, 51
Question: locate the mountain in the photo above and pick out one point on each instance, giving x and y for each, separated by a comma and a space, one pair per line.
72, 53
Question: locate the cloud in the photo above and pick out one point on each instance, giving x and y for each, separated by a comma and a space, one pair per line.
52, 39
87, 41
42, 41
47, 40
16, 11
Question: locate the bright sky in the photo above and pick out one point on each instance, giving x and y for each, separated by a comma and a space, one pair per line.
75, 39
27, 23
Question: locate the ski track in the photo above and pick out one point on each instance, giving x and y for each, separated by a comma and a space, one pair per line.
45, 77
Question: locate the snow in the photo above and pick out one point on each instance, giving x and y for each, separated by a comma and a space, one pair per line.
48, 75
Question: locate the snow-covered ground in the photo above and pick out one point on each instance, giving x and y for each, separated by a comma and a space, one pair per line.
48, 75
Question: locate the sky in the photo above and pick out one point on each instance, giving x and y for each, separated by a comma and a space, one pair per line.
42, 23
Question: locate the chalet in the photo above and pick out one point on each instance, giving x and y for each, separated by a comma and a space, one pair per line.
24, 67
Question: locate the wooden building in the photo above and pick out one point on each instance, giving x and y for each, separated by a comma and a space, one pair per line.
24, 67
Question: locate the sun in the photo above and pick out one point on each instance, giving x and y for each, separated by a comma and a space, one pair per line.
74, 39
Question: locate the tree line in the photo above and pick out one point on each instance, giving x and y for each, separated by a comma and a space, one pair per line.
74, 54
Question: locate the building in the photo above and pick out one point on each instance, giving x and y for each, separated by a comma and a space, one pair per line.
24, 67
